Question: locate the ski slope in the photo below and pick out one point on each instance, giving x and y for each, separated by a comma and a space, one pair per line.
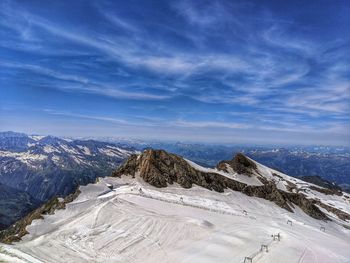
136, 222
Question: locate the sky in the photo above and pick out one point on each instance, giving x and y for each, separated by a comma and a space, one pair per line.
259, 72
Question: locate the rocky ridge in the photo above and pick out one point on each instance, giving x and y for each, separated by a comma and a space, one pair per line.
159, 168
240, 164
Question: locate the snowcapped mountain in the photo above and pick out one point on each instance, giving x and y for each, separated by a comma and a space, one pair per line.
46, 166
160, 207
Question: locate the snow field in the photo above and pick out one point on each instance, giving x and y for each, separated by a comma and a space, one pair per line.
156, 225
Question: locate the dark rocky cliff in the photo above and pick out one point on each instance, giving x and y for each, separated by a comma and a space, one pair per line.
240, 164
159, 168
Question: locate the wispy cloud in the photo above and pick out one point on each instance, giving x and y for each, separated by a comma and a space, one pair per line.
209, 124
206, 15
82, 84
43, 71
187, 58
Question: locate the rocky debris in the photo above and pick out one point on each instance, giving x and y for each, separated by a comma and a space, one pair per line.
306, 204
16, 231
286, 200
326, 191
240, 164
159, 168
340, 214
317, 180
269, 192
347, 227
291, 187
345, 188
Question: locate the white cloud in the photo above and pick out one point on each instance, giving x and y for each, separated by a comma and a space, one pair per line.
271, 69
209, 124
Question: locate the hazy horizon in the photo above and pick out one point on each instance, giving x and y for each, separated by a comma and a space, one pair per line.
122, 139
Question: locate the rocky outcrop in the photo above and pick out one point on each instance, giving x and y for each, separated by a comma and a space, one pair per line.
16, 231
340, 214
317, 180
286, 200
326, 191
306, 204
159, 168
240, 164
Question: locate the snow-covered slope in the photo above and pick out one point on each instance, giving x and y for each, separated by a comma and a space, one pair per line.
137, 222
175, 225
339, 200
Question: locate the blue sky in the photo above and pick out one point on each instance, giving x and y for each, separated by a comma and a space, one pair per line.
275, 72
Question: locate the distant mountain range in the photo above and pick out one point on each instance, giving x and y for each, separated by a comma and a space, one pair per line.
34, 169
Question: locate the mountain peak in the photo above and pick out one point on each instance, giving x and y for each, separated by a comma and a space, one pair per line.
160, 168
240, 164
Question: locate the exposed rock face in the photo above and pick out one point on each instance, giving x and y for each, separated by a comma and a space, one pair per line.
285, 200
307, 205
269, 192
160, 168
340, 214
16, 231
330, 188
240, 164
327, 191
